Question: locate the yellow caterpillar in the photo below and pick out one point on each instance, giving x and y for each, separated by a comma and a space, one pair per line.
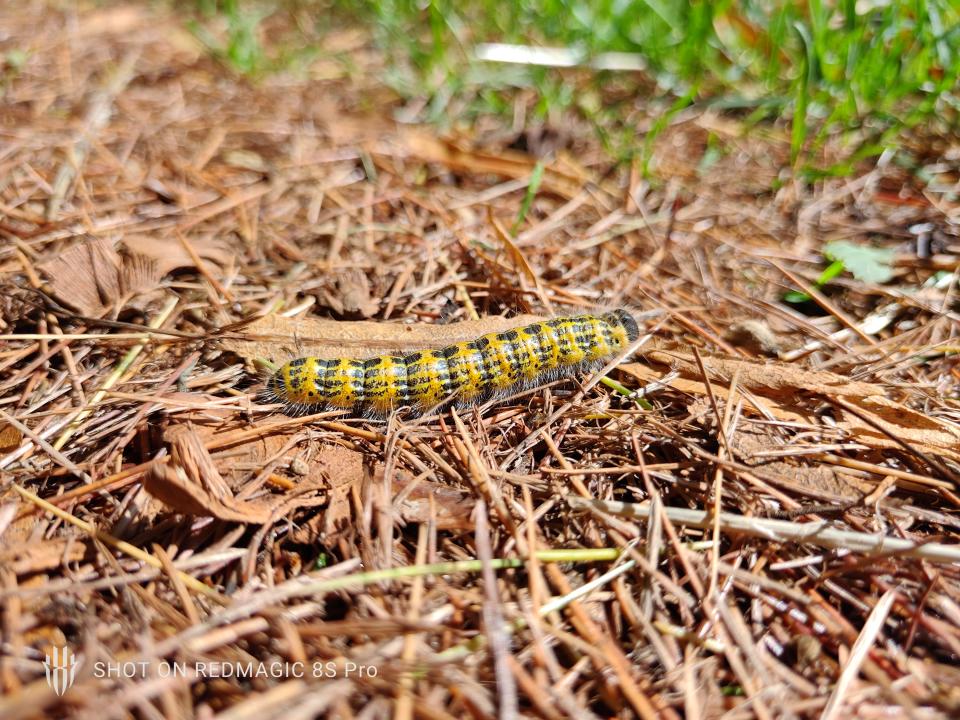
494, 365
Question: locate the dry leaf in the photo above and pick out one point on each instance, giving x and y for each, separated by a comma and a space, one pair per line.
451, 507
770, 379
26, 559
280, 339
820, 481
343, 470
348, 295
10, 438
191, 484
698, 388
931, 435
93, 279
784, 385
169, 254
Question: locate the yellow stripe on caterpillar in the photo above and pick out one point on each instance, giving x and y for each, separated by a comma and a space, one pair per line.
464, 373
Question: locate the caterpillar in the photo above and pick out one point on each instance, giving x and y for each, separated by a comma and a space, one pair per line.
466, 373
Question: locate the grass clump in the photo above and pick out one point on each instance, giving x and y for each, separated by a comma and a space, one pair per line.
859, 72
864, 70
240, 47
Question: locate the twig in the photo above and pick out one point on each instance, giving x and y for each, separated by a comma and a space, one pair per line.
815, 533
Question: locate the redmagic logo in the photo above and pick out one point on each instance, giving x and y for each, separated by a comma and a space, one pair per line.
61, 666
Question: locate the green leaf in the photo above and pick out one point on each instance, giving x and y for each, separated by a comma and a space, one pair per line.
536, 177
868, 264
795, 297
832, 270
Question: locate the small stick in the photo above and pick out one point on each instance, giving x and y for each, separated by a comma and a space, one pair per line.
814, 533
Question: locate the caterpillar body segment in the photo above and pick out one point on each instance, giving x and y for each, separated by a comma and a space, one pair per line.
496, 364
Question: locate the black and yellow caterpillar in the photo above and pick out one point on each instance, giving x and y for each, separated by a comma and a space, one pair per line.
494, 365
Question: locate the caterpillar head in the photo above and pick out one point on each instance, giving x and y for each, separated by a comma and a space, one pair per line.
622, 318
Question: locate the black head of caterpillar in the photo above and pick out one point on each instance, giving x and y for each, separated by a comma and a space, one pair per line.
493, 365
625, 320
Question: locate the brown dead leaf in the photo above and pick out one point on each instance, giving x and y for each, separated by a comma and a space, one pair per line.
784, 385
931, 435
26, 559
169, 254
698, 388
94, 279
342, 469
820, 481
348, 295
10, 438
230, 440
452, 507
771, 379
279, 338
191, 484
